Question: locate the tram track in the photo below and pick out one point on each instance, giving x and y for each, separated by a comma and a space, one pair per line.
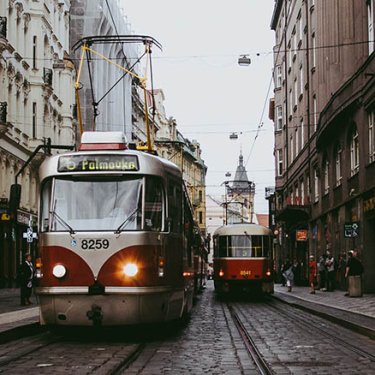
250, 345
323, 331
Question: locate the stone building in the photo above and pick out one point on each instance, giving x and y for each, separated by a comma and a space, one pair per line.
36, 103
171, 145
323, 109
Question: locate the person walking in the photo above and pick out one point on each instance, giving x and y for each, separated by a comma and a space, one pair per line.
26, 280
289, 275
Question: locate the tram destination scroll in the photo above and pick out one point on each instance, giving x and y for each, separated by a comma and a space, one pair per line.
97, 163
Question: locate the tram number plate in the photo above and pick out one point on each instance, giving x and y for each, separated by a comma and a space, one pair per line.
245, 273
94, 244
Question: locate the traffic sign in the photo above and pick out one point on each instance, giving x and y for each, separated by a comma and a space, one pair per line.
351, 230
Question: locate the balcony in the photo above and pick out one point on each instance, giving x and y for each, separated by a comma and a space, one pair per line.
295, 210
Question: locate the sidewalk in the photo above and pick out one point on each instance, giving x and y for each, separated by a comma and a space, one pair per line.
16, 320
357, 313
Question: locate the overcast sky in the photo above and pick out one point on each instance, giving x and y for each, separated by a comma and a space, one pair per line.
205, 89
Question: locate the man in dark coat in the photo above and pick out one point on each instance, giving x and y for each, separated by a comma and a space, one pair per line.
26, 280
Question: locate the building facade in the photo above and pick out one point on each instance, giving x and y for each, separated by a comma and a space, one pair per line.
186, 154
36, 105
323, 109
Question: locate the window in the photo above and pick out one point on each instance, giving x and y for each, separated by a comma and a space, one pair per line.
279, 76
326, 176
338, 175
291, 148
315, 114
291, 101
200, 217
370, 25
371, 136
301, 80
302, 133
297, 140
34, 123
294, 36
302, 187
34, 52
295, 91
279, 117
316, 184
313, 49
354, 153
279, 161
300, 20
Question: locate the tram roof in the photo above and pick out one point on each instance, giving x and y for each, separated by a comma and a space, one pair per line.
148, 164
241, 229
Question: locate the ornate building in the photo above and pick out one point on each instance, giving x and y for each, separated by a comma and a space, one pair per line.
36, 103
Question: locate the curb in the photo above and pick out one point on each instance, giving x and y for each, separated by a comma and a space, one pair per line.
20, 331
330, 313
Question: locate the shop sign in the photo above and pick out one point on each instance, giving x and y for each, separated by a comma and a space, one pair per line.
351, 230
24, 218
301, 235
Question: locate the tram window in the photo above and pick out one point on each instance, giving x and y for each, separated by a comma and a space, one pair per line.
266, 246
45, 205
96, 204
174, 206
153, 204
223, 246
257, 246
239, 246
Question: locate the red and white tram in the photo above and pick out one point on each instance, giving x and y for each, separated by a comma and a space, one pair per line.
243, 258
116, 237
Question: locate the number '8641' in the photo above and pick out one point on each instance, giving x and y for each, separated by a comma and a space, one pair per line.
94, 244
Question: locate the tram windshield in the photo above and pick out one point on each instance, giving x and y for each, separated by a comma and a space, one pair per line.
242, 246
116, 204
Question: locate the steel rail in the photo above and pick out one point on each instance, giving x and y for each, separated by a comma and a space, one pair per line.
250, 345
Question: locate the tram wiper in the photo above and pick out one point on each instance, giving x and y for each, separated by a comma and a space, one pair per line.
118, 230
62, 221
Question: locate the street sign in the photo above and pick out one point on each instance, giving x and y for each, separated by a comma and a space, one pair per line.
351, 230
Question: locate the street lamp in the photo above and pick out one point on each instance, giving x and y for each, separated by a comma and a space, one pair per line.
244, 60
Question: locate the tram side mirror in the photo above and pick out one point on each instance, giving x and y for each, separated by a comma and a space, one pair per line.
14, 199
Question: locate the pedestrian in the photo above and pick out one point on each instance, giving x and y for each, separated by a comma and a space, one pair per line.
289, 275
331, 272
354, 267
312, 273
26, 275
341, 271
322, 273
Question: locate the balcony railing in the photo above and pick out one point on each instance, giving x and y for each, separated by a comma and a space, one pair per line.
297, 201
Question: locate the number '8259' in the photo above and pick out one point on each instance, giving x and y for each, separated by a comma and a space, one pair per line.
97, 244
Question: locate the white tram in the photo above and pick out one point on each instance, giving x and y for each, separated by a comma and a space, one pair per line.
115, 237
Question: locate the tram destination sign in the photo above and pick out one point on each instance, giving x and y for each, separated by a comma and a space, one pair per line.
97, 163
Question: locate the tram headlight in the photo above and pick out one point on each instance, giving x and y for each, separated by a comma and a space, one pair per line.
221, 273
130, 269
59, 271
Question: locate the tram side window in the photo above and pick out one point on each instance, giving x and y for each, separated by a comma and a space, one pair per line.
266, 246
174, 206
154, 204
223, 246
257, 246
44, 205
